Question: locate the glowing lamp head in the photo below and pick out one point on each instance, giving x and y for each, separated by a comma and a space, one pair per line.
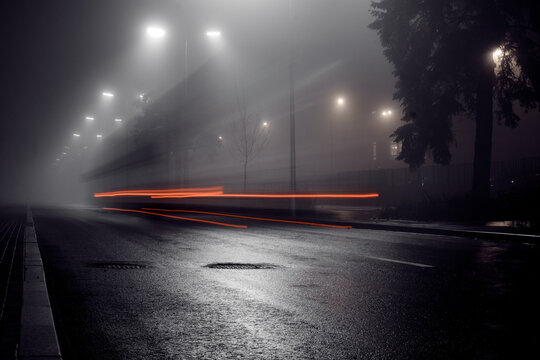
213, 34
497, 54
340, 101
117, 120
99, 136
220, 137
107, 94
89, 118
76, 135
155, 32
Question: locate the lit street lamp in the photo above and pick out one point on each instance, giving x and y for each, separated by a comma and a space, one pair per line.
155, 32
213, 34
76, 135
91, 118
107, 94
117, 120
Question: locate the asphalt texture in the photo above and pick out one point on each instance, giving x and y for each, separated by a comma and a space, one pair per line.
137, 286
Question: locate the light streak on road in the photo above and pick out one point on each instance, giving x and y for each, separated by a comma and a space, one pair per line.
254, 218
183, 192
180, 218
218, 192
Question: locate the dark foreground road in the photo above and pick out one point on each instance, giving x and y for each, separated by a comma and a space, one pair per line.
331, 293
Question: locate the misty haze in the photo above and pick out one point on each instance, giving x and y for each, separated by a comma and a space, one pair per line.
254, 179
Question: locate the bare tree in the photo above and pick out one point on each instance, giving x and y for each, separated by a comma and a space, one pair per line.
251, 135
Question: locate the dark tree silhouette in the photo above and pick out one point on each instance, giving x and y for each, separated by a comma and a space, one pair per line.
471, 57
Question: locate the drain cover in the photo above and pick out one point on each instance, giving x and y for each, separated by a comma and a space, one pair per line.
118, 266
240, 266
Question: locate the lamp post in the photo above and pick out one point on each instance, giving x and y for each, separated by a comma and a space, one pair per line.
292, 119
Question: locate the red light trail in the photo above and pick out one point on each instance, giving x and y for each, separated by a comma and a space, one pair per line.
217, 191
255, 218
180, 218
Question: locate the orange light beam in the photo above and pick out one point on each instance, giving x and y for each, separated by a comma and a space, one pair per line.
218, 189
181, 218
254, 218
274, 196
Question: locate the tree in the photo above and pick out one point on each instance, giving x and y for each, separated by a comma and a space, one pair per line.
451, 57
251, 135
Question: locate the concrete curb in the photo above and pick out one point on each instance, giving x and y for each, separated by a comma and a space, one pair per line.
476, 234
38, 338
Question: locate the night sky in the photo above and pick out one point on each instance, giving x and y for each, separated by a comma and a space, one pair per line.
58, 55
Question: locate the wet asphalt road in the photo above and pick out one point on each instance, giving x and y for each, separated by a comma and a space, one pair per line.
333, 294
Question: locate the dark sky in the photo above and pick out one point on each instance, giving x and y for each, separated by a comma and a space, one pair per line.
59, 54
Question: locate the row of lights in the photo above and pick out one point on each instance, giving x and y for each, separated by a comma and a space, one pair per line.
154, 33
340, 102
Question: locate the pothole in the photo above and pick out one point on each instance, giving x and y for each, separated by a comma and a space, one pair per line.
240, 266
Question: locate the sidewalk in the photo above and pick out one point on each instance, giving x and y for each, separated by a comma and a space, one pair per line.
364, 218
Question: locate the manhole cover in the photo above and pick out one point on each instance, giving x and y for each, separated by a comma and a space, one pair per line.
118, 266
240, 266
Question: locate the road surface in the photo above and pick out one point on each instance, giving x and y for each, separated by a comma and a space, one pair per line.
138, 286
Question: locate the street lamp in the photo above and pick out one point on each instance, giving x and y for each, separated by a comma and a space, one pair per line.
155, 32
265, 124
99, 136
91, 118
340, 101
117, 120
107, 94
213, 34
497, 54
76, 135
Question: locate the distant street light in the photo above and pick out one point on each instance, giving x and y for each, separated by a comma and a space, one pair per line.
386, 113
265, 124
89, 118
497, 54
340, 101
220, 137
99, 136
118, 120
213, 34
155, 32
64, 153
107, 94
76, 135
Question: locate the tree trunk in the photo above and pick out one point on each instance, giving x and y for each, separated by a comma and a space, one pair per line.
483, 136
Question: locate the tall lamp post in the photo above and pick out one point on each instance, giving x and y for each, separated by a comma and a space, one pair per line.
291, 107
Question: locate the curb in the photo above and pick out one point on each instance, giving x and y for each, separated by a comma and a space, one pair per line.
38, 338
476, 234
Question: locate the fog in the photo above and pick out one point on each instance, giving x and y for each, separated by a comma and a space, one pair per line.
61, 56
